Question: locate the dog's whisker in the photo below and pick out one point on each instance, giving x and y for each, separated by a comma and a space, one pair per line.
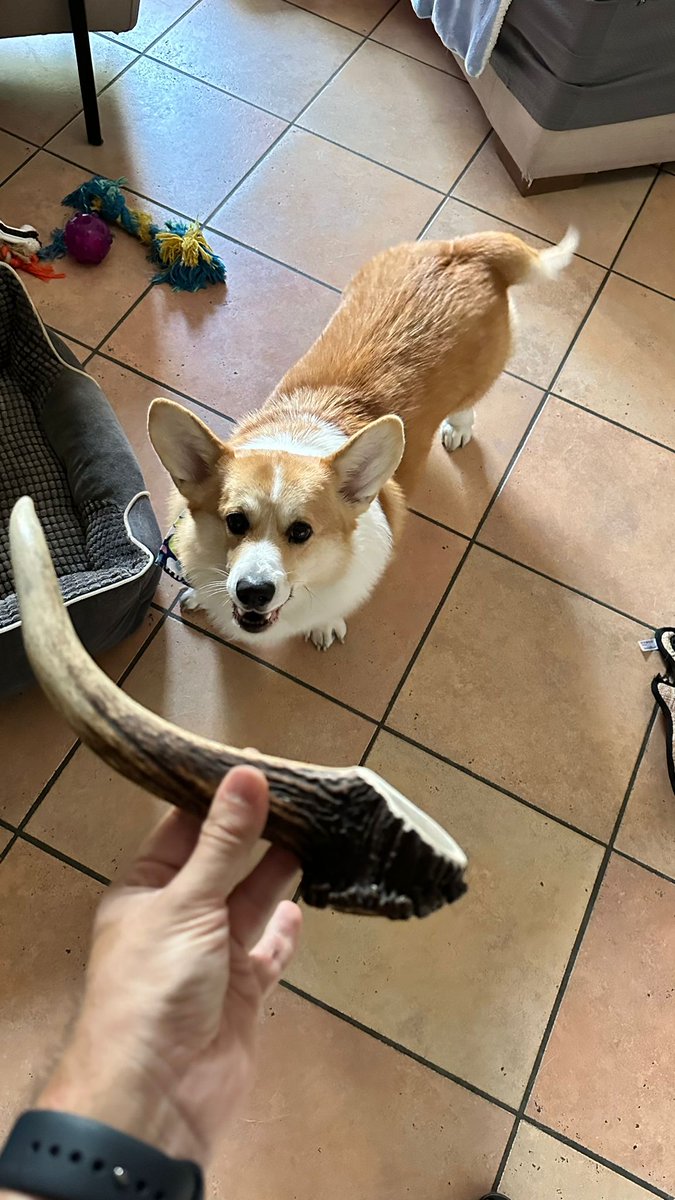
212, 589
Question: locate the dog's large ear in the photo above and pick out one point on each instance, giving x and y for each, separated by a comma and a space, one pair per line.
185, 445
365, 463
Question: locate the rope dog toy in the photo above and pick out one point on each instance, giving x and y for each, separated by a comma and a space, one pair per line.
180, 250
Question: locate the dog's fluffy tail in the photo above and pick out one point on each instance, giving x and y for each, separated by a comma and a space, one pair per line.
515, 261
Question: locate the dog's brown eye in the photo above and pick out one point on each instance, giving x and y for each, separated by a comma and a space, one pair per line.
299, 531
237, 523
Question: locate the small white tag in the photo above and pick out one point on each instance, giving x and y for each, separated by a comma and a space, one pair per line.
648, 644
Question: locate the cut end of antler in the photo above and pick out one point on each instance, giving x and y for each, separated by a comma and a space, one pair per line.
363, 847
398, 862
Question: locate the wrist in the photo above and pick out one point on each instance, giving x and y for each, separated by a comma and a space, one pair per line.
64, 1156
122, 1093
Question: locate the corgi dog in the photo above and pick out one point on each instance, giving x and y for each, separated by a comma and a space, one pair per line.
288, 526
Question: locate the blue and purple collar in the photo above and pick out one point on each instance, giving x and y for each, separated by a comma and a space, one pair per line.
167, 558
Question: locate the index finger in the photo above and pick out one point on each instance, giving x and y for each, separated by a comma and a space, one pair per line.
164, 851
233, 825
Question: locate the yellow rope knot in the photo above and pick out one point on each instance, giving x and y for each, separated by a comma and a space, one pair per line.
186, 247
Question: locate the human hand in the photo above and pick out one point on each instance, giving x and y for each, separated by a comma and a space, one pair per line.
182, 960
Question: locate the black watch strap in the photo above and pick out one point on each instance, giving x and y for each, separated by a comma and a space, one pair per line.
64, 1157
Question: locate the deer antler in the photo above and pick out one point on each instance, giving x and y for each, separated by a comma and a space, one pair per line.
363, 847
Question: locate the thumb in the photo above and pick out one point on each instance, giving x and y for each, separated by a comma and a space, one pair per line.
233, 825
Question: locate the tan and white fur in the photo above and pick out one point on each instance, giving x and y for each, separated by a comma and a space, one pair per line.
292, 521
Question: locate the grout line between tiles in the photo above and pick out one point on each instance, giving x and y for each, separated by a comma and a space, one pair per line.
466, 537
174, 212
21, 165
576, 948
439, 607
638, 862
323, 17
332, 21
602, 285
522, 379
6, 849
62, 334
46, 788
215, 87
495, 787
430, 187
262, 662
611, 421
159, 383
421, 61
64, 858
19, 138
70, 753
561, 366
597, 1158
406, 54
393, 1045
121, 680
417, 651
117, 37
245, 176
270, 258
523, 441
569, 587
430, 220
146, 291
99, 93
522, 228
639, 283
297, 117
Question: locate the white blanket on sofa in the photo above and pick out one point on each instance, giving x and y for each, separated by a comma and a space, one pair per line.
469, 27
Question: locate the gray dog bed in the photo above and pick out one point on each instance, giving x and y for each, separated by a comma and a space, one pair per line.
61, 443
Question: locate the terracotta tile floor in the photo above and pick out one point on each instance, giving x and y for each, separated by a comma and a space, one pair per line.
524, 1038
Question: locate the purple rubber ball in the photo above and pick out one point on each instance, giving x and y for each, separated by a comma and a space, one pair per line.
87, 238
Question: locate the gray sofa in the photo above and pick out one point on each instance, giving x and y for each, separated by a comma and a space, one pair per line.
577, 86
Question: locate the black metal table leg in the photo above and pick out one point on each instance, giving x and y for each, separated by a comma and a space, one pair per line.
85, 70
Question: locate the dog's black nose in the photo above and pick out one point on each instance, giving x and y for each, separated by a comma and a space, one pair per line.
254, 595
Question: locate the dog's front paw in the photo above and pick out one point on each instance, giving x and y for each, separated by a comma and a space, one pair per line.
457, 430
189, 600
323, 638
